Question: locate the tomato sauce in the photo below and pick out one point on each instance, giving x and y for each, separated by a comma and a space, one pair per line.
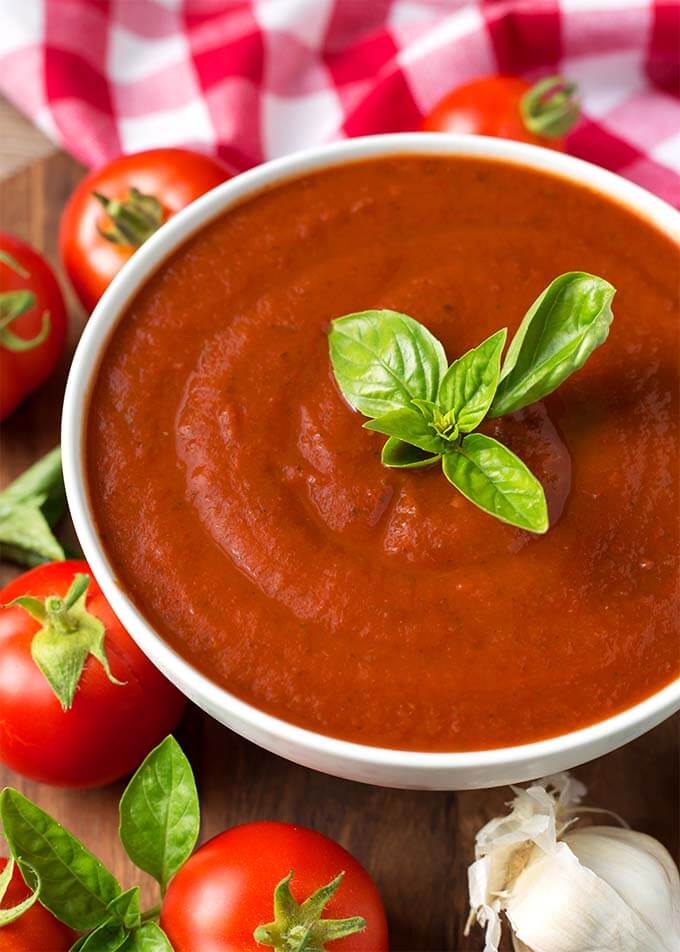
248, 515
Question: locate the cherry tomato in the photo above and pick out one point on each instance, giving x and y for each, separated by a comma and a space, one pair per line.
115, 209
114, 719
510, 108
36, 930
32, 322
225, 891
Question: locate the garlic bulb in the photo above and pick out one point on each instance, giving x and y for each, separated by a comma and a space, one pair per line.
593, 889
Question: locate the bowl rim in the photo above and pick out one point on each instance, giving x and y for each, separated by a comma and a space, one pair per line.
623, 725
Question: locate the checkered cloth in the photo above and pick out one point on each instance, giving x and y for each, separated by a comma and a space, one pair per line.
254, 79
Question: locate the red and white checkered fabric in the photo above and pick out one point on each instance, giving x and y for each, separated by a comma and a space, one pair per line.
253, 79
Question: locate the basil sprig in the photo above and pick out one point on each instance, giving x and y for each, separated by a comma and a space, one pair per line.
159, 822
159, 819
392, 369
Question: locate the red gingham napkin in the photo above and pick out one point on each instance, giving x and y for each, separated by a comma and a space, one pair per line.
253, 79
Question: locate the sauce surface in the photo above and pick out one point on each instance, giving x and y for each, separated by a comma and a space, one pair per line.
247, 513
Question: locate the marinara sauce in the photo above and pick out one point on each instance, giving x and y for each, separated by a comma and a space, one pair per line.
246, 511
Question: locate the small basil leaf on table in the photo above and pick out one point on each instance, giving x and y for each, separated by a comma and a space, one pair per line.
126, 908
9, 915
29, 506
561, 329
382, 360
493, 478
148, 938
159, 812
469, 385
399, 455
75, 886
110, 936
409, 426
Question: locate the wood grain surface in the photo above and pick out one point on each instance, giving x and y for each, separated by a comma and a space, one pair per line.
20, 141
417, 845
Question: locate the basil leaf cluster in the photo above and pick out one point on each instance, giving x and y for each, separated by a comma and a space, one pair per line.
393, 370
159, 824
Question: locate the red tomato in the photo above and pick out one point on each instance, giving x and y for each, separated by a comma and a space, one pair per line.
493, 106
36, 930
110, 727
43, 322
226, 890
166, 179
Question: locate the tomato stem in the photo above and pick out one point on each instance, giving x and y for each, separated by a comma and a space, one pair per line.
14, 265
133, 219
15, 303
58, 616
299, 926
551, 107
12, 305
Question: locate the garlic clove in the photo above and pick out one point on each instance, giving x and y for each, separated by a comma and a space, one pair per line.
558, 905
641, 871
598, 889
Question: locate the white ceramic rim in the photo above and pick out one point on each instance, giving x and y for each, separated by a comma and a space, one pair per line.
627, 724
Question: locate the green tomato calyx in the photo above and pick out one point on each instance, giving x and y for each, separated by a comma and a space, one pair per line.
132, 219
69, 635
298, 927
551, 107
12, 305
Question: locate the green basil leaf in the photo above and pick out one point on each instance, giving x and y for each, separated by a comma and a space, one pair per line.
399, 455
76, 887
409, 426
149, 938
428, 408
493, 478
28, 507
43, 478
382, 360
159, 812
79, 943
5, 877
559, 332
110, 936
9, 915
125, 908
469, 385
25, 536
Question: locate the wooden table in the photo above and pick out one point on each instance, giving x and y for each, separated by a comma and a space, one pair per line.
417, 845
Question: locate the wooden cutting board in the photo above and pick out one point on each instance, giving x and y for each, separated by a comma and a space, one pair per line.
416, 845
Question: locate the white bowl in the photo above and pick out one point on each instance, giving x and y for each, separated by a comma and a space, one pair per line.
396, 768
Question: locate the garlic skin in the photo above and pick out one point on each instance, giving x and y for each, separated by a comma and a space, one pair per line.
594, 889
